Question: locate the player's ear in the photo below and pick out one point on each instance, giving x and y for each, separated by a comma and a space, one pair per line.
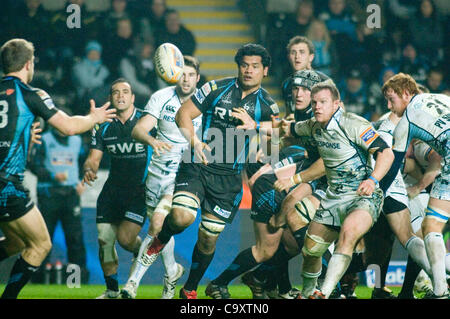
266, 71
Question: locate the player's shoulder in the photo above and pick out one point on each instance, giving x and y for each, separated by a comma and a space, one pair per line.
223, 82
163, 93
349, 119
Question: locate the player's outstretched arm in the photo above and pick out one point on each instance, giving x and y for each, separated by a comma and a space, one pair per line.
141, 134
91, 166
73, 125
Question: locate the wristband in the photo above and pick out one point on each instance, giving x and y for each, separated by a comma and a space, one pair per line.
374, 180
257, 127
296, 179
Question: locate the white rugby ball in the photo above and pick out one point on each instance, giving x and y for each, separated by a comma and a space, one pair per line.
169, 62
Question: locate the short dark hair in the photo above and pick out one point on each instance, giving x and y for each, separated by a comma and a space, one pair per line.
253, 49
301, 39
192, 62
15, 53
120, 80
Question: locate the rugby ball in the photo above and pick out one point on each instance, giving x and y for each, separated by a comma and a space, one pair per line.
169, 62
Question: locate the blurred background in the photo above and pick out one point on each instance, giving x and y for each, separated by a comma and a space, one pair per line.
117, 38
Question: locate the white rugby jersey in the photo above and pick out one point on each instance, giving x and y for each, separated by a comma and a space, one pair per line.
420, 151
343, 145
397, 190
164, 105
427, 118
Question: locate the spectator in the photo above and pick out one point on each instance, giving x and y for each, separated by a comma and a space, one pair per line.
69, 43
377, 101
89, 77
150, 19
56, 164
139, 70
413, 64
325, 59
392, 48
118, 11
427, 33
30, 20
355, 95
176, 33
300, 23
118, 45
435, 81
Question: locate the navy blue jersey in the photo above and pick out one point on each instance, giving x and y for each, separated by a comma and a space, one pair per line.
129, 158
215, 100
19, 105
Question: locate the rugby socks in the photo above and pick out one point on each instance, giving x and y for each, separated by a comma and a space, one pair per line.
112, 282
139, 268
435, 247
411, 273
299, 236
200, 263
336, 268
416, 249
167, 231
309, 283
282, 277
168, 258
21, 273
241, 264
262, 273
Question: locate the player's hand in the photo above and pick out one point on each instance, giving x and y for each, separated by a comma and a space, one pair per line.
241, 114
366, 188
89, 176
413, 191
80, 188
283, 184
159, 146
35, 133
198, 150
102, 114
290, 117
285, 128
61, 177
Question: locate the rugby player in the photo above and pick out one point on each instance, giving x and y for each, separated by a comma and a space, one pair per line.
120, 214
266, 201
160, 111
20, 220
353, 200
427, 118
214, 184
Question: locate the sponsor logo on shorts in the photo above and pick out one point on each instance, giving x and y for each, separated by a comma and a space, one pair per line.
222, 212
134, 216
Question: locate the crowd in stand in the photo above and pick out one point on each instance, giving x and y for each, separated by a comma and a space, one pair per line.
77, 64
412, 38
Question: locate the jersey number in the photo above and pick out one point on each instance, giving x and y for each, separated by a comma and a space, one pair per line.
3, 113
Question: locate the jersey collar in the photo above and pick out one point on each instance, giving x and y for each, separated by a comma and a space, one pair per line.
334, 119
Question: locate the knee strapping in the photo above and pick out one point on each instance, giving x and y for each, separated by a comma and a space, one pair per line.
186, 202
306, 209
436, 213
163, 207
317, 249
107, 235
211, 227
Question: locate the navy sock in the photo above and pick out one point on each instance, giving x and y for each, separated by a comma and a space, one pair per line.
3, 254
282, 275
20, 275
200, 263
241, 264
112, 282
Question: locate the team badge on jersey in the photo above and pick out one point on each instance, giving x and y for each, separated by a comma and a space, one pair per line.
369, 135
200, 96
206, 89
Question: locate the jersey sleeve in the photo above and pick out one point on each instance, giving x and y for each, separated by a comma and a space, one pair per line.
302, 128
153, 106
204, 97
361, 132
401, 135
97, 138
40, 103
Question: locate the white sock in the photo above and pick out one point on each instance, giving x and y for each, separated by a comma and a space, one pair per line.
168, 258
309, 283
416, 249
435, 247
138, 269
336, 268
447, 264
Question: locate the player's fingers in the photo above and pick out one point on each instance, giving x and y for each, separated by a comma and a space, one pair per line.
106, 105
206, 147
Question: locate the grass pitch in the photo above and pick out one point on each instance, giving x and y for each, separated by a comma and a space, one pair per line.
34, 291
